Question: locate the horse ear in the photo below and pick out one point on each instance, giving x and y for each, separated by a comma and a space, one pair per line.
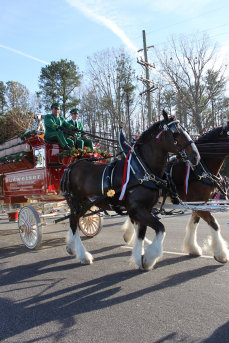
165, 115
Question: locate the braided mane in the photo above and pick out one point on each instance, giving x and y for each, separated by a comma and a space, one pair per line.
153, 130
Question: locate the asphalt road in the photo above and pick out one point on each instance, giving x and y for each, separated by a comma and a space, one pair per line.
47, 296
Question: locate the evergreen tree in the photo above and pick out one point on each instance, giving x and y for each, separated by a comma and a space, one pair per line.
57, 82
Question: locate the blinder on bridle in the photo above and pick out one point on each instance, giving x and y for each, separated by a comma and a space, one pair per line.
173, 130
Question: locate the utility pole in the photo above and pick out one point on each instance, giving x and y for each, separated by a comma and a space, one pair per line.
147, 78
149, 84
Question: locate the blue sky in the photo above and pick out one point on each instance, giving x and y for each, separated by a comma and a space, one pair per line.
36, 32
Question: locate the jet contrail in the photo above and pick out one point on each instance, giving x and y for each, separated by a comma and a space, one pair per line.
23, 54
105, 21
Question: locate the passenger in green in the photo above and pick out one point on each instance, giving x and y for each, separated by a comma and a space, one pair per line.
81, 139
53, 123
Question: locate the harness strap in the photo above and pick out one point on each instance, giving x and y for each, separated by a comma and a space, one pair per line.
106, 182
207, 177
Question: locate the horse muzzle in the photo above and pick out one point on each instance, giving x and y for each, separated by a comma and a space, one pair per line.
190, 158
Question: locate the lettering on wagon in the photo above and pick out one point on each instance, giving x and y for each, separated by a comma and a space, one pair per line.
23, 179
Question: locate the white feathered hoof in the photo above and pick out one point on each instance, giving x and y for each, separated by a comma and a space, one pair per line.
195, 254
193, 250
147, 267
88, 259
221, 259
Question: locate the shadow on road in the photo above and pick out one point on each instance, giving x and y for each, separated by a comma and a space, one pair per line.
221, 335
63, 305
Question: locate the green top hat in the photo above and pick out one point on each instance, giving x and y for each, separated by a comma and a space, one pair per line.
74, 110
55, 104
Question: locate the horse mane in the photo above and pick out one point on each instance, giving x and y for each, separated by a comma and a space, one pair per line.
210, 136
151, 131
213, 143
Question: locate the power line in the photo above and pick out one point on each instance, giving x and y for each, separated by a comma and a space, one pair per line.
202, 31
185, 21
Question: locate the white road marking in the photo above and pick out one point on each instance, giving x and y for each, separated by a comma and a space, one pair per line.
169, 252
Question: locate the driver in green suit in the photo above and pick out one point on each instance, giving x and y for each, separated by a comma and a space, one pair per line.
53, 123
81, 139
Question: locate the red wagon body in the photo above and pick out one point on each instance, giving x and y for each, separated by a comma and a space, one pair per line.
31, 176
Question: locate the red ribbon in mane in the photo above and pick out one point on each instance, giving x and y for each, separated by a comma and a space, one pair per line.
159, 135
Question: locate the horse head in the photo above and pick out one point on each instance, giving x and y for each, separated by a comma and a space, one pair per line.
177, 140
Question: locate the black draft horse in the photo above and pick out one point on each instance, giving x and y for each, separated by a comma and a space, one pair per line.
202, 186
81, 185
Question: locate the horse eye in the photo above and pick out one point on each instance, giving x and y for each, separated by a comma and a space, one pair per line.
175, 141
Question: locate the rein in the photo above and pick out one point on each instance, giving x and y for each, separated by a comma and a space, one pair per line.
72, 131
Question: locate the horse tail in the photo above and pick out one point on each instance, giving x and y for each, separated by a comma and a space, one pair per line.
65, 179
65, 182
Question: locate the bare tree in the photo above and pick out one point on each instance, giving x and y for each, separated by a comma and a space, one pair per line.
189, 64
109, 99
14, 123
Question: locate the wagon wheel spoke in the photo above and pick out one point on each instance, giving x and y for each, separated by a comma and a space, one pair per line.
29, 227
91, 225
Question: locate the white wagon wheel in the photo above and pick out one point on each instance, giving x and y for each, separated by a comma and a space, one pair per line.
29, 225
91, 225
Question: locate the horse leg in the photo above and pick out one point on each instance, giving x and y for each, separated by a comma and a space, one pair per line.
138, 248
190, 244
71, 249
217, 244
83, 255
155, 250
129, 231
128, 228
75, 245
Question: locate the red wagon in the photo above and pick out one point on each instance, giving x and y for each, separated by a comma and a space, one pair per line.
30, 174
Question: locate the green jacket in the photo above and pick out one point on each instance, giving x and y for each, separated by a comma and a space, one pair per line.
51, 123
78, 125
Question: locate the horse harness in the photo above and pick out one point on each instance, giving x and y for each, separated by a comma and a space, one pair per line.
142, 176
201, 173
141, 172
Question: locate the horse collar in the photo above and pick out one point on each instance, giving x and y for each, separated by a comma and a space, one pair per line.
140, 171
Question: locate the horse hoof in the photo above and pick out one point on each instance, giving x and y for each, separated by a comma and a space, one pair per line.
221, 260
85, 261
88, 259
143, 266
70, 251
